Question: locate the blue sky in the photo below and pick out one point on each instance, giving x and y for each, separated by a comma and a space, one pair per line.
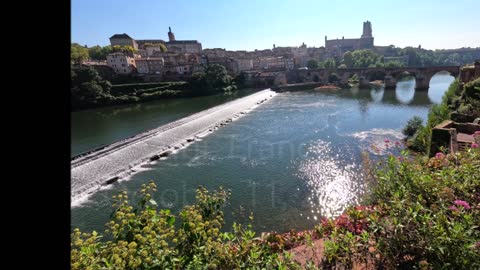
258, 24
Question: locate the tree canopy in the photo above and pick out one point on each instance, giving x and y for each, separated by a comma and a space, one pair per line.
78, 53
312, 63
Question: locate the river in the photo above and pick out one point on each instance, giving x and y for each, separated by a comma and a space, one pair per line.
290, 161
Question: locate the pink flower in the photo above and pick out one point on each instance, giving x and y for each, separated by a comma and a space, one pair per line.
439, 155
397, 143
477, 132
453, 208
474, 145
387, 140
464, 204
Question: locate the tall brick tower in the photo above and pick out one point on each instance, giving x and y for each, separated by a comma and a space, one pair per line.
171, 36
367, 29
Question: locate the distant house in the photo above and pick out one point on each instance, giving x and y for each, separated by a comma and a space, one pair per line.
121, 63
151, 65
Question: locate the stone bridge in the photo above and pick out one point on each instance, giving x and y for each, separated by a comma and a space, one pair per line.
366, 75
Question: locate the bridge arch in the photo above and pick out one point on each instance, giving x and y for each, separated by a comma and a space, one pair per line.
439, 83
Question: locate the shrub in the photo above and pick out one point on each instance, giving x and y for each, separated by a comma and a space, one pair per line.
424, 215
412, 126
122, 89
144, 237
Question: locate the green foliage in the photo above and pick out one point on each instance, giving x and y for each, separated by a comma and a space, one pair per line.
89, 90
415, 57
424, 215
312, 64
364, 58
99, 53
240, 80
162, 46
412, 126
144, 237
437, 114
342, 66
87, 87
348, 59
213, 80
132, 88
78, 53
124, 49
330, 63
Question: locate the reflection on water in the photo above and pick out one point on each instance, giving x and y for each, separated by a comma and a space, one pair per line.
334, 181
405, 90
291, 161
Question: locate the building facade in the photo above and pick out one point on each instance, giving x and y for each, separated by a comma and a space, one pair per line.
350, 44
153, 65
121, 63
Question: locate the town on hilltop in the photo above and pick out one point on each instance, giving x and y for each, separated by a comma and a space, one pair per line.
153, 60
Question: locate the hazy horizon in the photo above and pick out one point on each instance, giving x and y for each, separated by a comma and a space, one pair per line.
250, 25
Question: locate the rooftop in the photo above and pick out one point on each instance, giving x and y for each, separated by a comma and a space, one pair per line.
182, 41
121, 36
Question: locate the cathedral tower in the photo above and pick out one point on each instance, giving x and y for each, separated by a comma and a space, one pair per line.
367, 29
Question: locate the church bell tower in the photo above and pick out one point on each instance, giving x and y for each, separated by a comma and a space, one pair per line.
171, 36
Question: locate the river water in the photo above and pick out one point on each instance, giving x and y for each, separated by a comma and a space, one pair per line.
290, 161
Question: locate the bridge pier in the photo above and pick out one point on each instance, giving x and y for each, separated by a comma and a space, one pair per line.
422, 82
390, 82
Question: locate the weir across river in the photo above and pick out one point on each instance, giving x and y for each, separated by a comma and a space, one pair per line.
104, 165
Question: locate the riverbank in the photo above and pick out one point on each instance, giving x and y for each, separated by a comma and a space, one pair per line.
110, 163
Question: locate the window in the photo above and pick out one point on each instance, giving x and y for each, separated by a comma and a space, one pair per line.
123, 65
124, 70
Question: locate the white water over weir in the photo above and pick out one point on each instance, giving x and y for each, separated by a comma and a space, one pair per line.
107, 164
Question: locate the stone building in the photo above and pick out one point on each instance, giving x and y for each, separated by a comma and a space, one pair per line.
142, 43
123, 40
242, 64
121, 63
184, 46
350, 44
151, 65
273, 63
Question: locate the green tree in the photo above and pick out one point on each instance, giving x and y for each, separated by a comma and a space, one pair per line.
99, 53
312, 64
330, 63
87, 87
78, 53
214, 79
348, 59
365, 58
413, 125
394, 64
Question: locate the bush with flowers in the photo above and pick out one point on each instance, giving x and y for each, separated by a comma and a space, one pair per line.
424, 215
144, 237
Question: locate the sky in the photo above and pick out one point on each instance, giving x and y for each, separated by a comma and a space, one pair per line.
258, 24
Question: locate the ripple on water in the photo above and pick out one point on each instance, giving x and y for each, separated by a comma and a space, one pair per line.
333, 181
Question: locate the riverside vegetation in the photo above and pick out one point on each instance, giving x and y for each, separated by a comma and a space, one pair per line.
420, 214
457, 101
90, 90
